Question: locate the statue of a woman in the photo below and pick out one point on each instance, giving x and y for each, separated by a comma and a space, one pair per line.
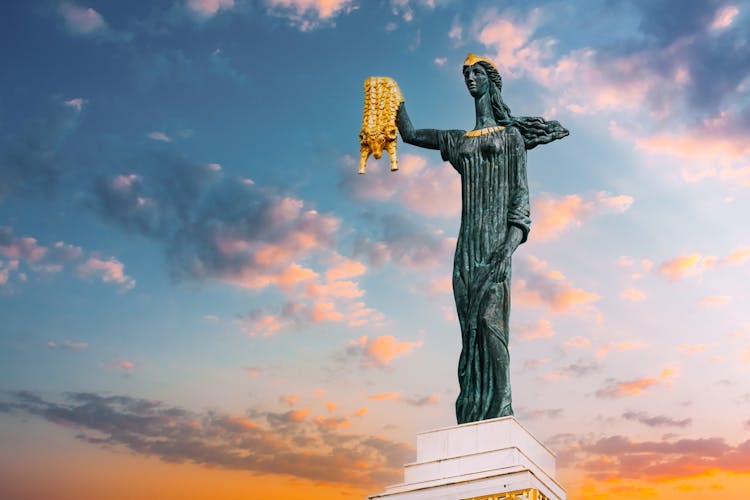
491, 160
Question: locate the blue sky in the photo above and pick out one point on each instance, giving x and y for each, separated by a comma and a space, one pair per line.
184, 238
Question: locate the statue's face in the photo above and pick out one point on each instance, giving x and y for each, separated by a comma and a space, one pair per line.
476, 80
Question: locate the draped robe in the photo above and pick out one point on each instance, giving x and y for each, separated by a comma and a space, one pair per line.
495, 196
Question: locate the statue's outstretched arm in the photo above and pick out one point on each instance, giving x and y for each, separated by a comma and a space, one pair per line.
423, 137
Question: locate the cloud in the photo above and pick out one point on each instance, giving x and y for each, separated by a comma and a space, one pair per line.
208, 8
415, 400
30, 164
696, 264
612, 458
307, 15
633, 295
81, 20
159, 136
542, 329
420, 187
694, 348
406, 243
538, 286
76, 103
670, 73
125, 365
67, 345
253, 371
52, 259
725, 17
715, 300
553, 216
108, 271
380, 351
580, 368
617, 389
213, 227
656, 420
263, 442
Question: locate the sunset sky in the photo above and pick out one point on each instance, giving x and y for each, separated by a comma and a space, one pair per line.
201, 299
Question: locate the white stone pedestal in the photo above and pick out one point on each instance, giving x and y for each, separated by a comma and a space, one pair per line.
488, 460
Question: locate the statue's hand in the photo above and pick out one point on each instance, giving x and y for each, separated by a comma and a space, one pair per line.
499, 262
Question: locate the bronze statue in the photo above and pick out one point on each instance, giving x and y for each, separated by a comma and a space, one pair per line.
495, 220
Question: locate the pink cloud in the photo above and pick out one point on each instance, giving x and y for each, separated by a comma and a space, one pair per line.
159, 136
633, 294
325, 311
432, 190
76, 103
253, 371
616, 389
345, 268
208, 8
264, 326
380, 351
109, 271
725, 17
81, 20
539, 286
696, 264
542, 329
552, 215
126, 365
309, 14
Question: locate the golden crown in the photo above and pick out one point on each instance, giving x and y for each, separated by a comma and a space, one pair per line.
472, 59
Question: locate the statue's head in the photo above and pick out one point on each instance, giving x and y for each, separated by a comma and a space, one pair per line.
481, 76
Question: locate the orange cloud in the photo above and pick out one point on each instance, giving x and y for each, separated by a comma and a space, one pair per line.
299, 415
538, 286
542, 329
695, 348
331, 423
552, 216
383, 395
361, 412
615, 389
696, 264
633, 294
381, 350
346, 268
432, 190
715, 300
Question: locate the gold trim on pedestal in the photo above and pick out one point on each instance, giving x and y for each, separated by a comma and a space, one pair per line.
527, 494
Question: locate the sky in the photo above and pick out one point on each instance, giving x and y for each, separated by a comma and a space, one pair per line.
200, 298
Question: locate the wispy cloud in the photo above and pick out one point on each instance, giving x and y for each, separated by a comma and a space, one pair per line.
616, 389
208, 8
292, 443
539, 286
308, 15
554, 215
81, 20
108, 271
380, 351
656, 420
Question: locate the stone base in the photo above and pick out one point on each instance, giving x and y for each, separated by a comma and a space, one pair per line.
494, 459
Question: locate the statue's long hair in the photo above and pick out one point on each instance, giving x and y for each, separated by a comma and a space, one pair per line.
534, 129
